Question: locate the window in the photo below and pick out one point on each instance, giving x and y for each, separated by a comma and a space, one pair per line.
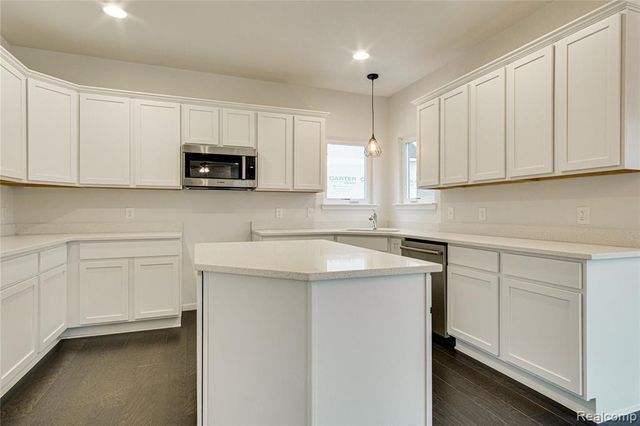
347, 174
411, 192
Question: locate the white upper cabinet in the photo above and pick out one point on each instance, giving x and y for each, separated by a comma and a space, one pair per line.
13, 122
200, 124
588, 83
275, 151
238, 128
486, 127
53, 133
105, 140
454, 136
429, 143
530, 115
156, 136
308, 153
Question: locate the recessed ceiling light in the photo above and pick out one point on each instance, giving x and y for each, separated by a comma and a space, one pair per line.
360, 55
115, 11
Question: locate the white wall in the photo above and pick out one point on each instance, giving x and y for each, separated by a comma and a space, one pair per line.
204, 215
531, 210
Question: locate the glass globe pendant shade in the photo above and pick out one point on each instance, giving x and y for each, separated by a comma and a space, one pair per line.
373, 148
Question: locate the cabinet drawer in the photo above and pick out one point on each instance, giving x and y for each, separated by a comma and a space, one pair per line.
19, 269
552, 271
51, 258
121, 249
474, 258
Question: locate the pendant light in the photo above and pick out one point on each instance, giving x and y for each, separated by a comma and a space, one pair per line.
373, 148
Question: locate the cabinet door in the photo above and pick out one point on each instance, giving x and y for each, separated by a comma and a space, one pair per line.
13, 122
541, 331
275, 151
156, 284
308, 153
52, 295
454, 136
238, 128
472, 307
486, 127
105, 140
588, 67
156, 134
104, 291
19, 328
53, 133
429, 144
200, 124
530, 115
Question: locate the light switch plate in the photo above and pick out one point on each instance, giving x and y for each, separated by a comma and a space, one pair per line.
310, 212
583, 215
279, 213
482, 214
451, 213
130, 213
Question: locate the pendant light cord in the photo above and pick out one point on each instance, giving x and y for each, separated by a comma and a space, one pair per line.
372, 110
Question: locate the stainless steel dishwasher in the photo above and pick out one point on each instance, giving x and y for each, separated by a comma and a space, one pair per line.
436, 253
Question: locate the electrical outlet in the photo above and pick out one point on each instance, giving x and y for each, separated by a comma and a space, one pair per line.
451, 213
130, 213
279, 213
583, 215
482, 214
310, 211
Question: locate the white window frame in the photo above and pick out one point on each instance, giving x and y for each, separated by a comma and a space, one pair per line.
367, 202
403, 200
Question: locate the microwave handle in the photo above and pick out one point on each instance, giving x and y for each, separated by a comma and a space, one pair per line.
244, 167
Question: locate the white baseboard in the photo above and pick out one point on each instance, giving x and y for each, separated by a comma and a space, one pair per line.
124, 327
189, 306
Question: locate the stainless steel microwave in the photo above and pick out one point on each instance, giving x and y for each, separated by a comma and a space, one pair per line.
217, 167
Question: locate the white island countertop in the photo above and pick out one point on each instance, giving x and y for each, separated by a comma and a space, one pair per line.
544, 247
313, 260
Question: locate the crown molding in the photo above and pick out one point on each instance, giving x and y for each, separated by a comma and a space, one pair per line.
584, 21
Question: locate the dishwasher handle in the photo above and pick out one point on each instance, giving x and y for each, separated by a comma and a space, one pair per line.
419, 250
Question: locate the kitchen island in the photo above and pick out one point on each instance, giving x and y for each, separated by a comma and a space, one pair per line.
312, 332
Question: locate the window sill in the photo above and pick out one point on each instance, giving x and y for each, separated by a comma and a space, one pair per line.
416, 206
348, 206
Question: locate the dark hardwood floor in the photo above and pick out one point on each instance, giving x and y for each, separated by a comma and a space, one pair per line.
150, 378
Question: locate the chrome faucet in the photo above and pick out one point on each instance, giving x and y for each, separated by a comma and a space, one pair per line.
374, 220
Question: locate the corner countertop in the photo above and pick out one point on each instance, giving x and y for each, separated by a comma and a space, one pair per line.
14, 245
313, 260
543, 247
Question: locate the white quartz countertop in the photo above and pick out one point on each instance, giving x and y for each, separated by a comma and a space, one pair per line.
21, 244
312, 260
551, 248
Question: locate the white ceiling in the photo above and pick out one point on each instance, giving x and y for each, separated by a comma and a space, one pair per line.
300, 42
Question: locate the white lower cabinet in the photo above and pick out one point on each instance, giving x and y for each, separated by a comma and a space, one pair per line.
104, 291
541, 331
52, 296
156, 292
373, 243
472, 307
19, 328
